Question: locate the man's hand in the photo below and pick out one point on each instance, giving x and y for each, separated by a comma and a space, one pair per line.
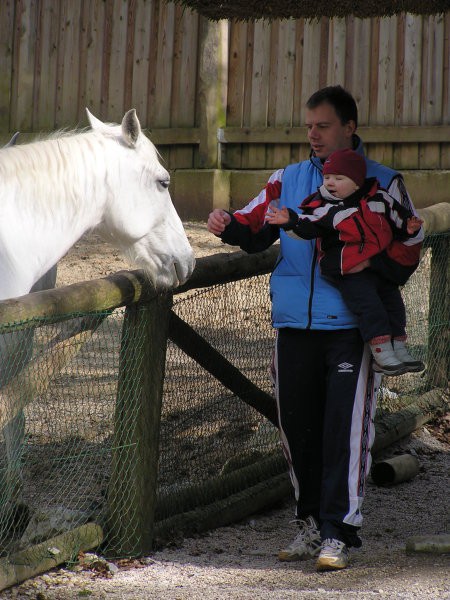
217, 221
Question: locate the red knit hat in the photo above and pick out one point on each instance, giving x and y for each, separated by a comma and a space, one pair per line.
346, 162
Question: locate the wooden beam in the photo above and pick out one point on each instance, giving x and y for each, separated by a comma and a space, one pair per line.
297, 135
195, 346
160, 136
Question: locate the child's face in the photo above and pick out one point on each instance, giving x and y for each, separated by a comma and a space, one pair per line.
340, 186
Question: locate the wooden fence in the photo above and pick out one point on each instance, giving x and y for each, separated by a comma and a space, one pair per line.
131, 522
189, 78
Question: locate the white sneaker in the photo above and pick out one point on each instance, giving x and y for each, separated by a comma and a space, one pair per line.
333, 555
306, 543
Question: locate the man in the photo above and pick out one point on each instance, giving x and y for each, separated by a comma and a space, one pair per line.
325, 386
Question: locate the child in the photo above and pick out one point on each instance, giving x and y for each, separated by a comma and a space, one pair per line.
355, 220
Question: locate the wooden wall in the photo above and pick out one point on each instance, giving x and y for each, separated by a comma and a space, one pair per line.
57, 57
397, 68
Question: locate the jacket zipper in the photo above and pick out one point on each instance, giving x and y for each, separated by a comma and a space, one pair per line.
311, 294
361, 233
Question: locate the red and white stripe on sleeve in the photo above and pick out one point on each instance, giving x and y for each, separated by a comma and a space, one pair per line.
253, 214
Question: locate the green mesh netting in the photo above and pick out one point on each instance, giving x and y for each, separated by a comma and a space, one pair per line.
58, 454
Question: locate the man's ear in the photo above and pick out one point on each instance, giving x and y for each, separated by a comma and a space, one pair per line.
350, 128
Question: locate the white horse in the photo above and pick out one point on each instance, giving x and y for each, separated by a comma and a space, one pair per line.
107, 179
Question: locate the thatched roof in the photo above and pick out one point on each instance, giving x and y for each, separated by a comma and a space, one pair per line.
249, 10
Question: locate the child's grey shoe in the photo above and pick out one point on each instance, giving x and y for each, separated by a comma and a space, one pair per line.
398, 369
413, 365
385, 359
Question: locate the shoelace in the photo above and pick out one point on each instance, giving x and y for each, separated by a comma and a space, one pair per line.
330, 544
305, 530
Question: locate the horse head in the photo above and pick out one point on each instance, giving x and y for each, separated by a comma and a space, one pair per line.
140, 217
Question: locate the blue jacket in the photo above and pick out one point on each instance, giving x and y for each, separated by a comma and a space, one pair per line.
301, 297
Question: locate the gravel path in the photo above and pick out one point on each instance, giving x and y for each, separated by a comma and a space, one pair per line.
239, 562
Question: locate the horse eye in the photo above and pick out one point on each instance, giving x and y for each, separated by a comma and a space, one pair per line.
164, 183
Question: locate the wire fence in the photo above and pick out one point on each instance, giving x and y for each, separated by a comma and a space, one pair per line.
58, 439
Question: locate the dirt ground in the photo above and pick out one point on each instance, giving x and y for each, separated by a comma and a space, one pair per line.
240, 561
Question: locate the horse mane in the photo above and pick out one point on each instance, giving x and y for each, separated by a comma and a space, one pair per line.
46, 170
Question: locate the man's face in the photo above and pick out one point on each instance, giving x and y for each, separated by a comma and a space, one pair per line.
326, 132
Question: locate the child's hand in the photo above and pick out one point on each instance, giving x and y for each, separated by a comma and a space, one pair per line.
413, 224
277, 216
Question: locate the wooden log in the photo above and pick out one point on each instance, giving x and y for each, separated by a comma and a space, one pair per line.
107, 293
432, 544
135, 453
436, 218
49, 554
210, 359
223, 268
225, 511
193, 496
391, 427
395, 470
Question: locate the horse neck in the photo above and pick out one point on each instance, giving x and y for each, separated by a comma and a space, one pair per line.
48, 214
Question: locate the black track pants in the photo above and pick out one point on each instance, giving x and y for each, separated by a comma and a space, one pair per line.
325, 393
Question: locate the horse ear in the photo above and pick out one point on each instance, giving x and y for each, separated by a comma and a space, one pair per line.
94, 122
131, 128
12, 141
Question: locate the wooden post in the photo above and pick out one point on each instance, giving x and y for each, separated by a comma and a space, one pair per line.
212, 86
132, 488
439, 312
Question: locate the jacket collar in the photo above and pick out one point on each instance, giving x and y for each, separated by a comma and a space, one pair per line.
357, 147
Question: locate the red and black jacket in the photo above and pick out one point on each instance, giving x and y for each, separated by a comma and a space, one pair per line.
369, 222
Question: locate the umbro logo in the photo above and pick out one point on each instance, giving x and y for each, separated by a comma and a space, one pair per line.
345, 368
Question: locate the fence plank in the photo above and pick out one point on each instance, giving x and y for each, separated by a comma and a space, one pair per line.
232, 156
44, 103
445, 148
311, 63
7, 31
432, 82
115, 108
336, 52
385, 107
184, 84
68, 67
159, 110
139, 85
94, 15
23, 65
260, 82
281, 86
408, 110
358, 57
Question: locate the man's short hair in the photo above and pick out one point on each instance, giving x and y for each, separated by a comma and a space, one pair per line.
342, 101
